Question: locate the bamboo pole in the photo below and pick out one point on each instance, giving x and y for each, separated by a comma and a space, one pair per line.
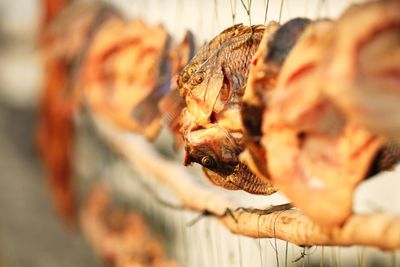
377, 230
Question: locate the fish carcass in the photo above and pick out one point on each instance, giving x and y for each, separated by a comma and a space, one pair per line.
316, 156
264, 70
126, 75
212, 85
362, 68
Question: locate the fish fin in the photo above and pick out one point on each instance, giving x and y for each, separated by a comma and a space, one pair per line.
218, 180
147, 110
171, 106
247, 181
386, 159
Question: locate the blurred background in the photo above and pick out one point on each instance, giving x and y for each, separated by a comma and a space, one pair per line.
30, 232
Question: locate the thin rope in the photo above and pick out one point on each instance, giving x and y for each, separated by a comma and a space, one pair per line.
258, 239
247, 8
233, 10
280, 11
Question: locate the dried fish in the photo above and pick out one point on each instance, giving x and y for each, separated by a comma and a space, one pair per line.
363, 72
203, 55
315, 155
264, 69
126, 75
211, 124
64, 45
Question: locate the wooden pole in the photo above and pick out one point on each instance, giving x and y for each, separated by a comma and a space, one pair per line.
377, 230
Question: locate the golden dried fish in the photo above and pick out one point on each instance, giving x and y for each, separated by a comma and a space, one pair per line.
264, 69
363, 72
64, 44
126, 74
203, 55
211, 124
315, 155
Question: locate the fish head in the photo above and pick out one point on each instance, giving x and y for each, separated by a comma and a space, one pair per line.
213, 148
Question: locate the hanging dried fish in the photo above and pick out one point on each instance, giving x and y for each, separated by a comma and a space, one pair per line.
366, 67
119, 236
64, 46
264, 69
212, 85
126, 75
315, 155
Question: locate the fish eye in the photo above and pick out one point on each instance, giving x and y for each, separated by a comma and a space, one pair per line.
191, 70
207, 161
198, 77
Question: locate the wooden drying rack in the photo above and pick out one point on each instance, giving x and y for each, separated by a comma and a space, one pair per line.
282, 222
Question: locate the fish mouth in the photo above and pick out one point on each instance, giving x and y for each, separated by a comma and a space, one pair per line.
241, 178
214, 142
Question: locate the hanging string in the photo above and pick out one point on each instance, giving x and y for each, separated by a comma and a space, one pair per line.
259, 240
266, 4
280, 11
233, 10
247, 8
240, 251
286, 253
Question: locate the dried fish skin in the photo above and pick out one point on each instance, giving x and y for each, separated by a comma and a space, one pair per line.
315, 155
204, 53
215, 89
116, 88
220, 81
363, 72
